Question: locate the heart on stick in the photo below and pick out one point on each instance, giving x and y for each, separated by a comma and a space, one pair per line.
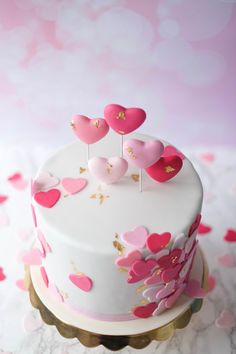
48, 199
74, 185
165, 168
124, 120
142, 153
82, 282
89, 130
108, 170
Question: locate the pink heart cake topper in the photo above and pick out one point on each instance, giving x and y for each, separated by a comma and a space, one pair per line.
74, 185
83, 282
89, 130
108, 170
48, 199
142, 154
136, 237
124, 120
165, 168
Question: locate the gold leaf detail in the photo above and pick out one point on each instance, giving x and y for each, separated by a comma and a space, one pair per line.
131, 153
121, 115
116, 235
72, 124
135, 177
93, 196
169, 169
82, 170
96, 123
122, 270
120, 248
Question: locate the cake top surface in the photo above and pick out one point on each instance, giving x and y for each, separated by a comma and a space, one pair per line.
91, 218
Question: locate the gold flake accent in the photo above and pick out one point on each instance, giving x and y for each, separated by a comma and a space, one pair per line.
121, 115
102, 198
120, 248
96, 123
141, 288
82, 170
135, 177
144, 302
122, 270
169, 169
131, 153
109, 168
72, 124
116, 235
93, 196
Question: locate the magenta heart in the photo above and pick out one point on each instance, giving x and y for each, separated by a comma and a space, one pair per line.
136, 237
83, 282
133, 278
48, 199
230, 235
171, 259
171, 273
171, 300
32, 257
128, 260
17, 181
73, 185
171, 150
166, 290
155, 242
165, 168
108, 170
227, 260
143, 268
124, 120
142, 154
194, 290
3, 198
89, 130
225, 320
145, 311
204, 229
2, 275
195, 225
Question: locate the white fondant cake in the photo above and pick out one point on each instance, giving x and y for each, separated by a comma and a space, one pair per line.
85, 237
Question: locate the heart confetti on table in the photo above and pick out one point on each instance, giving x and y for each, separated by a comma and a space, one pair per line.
32, 257
155, 242
32, 321
165, 168
108, 170
17, 181
194, 289
225, 320
204, 229
136, 237
230, 235
89, 130
142, 153
227, 260
83, 282
74, 185
48, 199
20, 283
124, 120
43, 182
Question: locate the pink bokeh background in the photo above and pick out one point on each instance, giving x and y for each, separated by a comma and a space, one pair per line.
174, 58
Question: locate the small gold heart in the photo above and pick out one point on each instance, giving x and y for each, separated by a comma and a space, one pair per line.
135, 177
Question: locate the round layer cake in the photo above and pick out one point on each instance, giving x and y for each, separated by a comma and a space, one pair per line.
111, 252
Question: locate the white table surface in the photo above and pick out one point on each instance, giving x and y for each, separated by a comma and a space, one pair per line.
200, 337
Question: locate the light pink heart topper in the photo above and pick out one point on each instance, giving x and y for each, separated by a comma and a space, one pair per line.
89, 130
108, 170
142, 154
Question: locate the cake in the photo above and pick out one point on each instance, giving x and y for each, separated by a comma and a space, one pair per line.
123, 249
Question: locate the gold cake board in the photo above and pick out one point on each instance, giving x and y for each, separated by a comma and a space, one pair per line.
114, 341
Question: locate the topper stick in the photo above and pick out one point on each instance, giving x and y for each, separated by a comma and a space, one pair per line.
88, 152
121, 146
140, 180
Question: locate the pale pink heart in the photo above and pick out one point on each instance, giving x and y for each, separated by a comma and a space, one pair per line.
161, 307
166, 290
45, 246
227, 260
44, 181
20, 283
226, 320
153, 280
32, 321
55, 293
171, 150
179, 241
25, 233
194, 289
150, 293
32, 257
184, 271
108, 170
4, 220
182, 257
171, 300
89, 130
208, 157
128, 260
74, 185
17, 181
44, 276
142, 154
136, 237
83, 282
190, 242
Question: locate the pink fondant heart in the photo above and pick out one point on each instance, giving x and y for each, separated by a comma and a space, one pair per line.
171, 150
48, 199
195, 225
108, 170
227, 260
46, 248
165, 168
171, 259
155, 242
171, 300
211, 283
161, 307
170, 273
89, 130
204, 229
145, 311
225, 320
128, 260
74, 185
133, 278
3, 198
143, 268
81, 281
150, 293
166, 290
184, 271
124, 120
136, 237
17, 181
20, 283
32, 321
32, 257
142, 154
194, 290
44, 276
155, 278
43, 182
230, 235
2, 275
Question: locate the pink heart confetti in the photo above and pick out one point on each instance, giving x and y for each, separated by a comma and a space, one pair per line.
83, 282
207, 157
204, 229
211, 283
48, 199
3, 198
194, 289
225, 320
128, 260
227, 260
166, 290
17, 181
230, 235
44, 276
44, 181
150, 293
136, 237
20, 283
2, 275
74, 185
32, 322
32, 257
161, 307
